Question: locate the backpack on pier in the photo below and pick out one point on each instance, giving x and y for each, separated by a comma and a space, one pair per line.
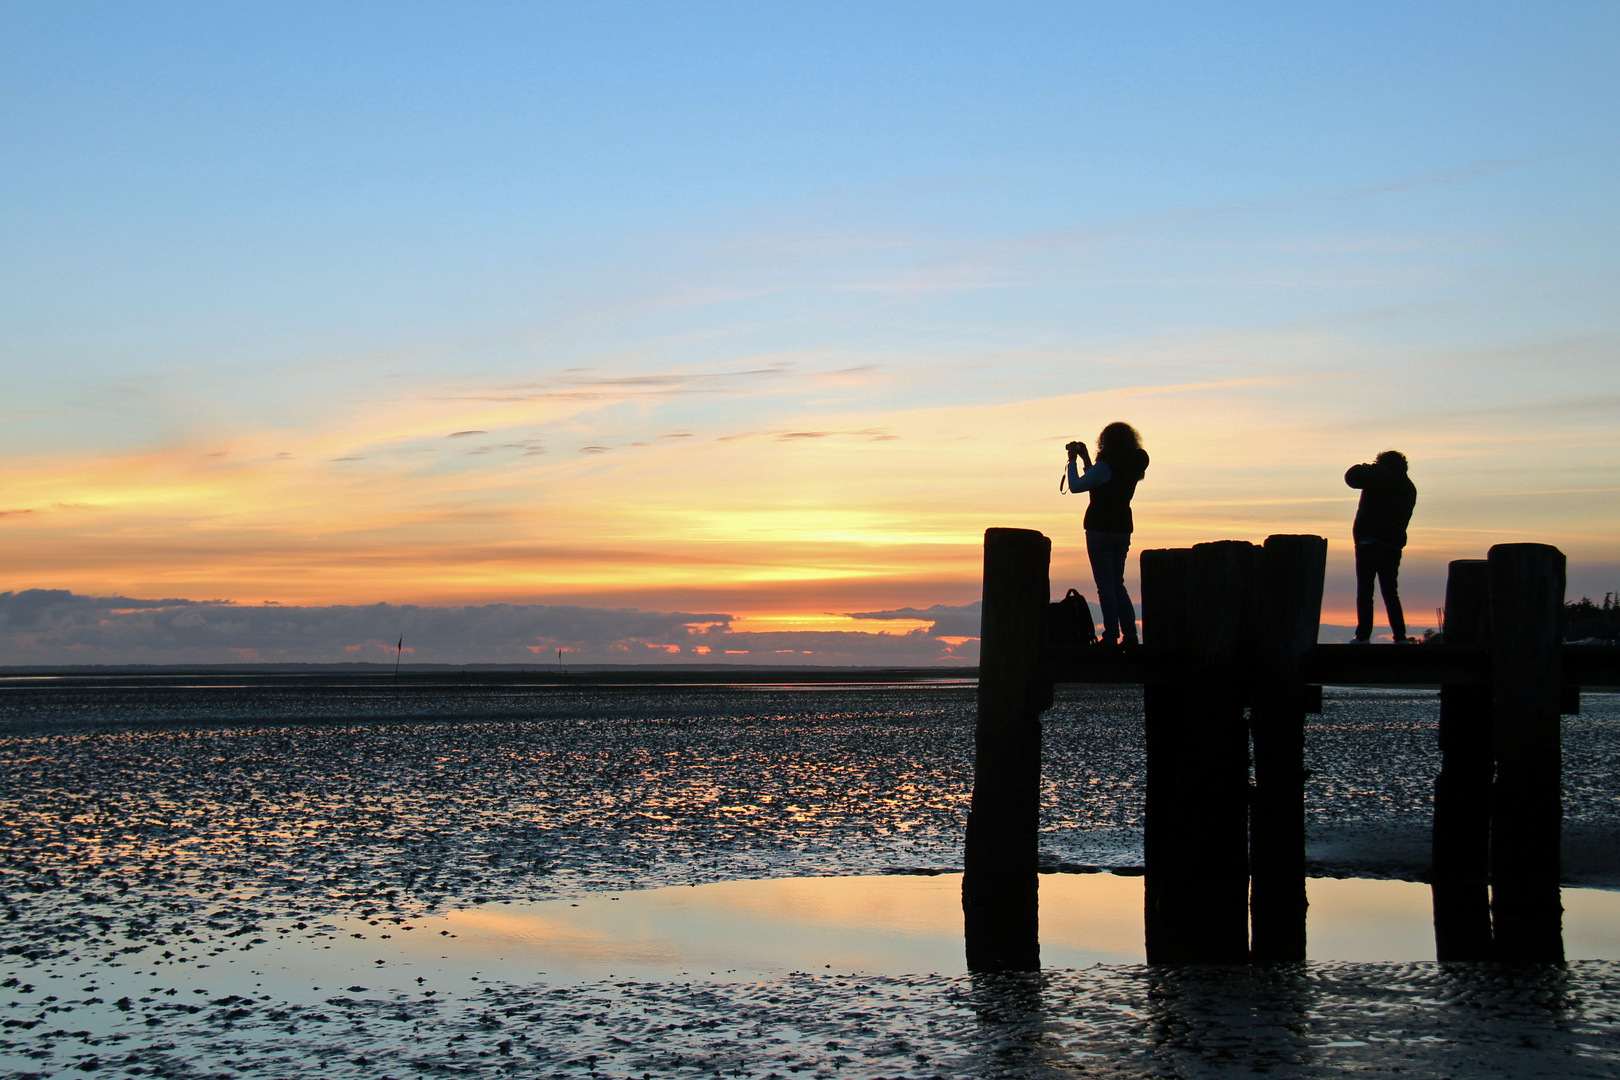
1068, 621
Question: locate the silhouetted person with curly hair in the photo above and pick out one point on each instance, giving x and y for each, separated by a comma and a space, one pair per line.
1121, 463
1387, 498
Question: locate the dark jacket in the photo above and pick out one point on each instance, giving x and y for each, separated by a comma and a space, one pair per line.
1110, 509
1387, 498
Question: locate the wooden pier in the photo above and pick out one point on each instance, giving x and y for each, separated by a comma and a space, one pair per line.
1230, 669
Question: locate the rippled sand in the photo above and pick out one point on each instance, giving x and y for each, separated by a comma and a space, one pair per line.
174, 829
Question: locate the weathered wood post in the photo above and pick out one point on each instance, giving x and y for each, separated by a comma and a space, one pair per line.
1197, 820
1292, 572
1526, 600
1462, 791
1164, 618
1001, 861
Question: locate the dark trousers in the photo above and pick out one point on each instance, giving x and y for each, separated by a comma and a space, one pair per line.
1107, 551
1384, 563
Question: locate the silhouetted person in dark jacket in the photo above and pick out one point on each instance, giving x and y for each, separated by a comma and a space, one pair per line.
1387, 499
1121, 462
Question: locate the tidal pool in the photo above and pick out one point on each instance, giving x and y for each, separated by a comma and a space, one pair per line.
891, 925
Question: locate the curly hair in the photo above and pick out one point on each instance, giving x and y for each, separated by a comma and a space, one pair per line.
1392, 458
1117, 438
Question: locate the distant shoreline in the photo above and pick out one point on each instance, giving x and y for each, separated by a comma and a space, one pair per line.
529, 674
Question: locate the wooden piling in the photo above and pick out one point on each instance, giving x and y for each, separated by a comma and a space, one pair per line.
1001, 860
1292, 572
1526, 585
1164, 617
1462, 791
1203, 602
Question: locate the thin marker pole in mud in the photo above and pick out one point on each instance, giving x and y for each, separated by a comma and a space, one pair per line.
1001, 857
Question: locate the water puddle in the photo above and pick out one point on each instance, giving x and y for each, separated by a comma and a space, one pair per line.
748, 930
906, 925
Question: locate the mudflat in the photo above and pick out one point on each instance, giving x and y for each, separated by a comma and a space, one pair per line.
186, 833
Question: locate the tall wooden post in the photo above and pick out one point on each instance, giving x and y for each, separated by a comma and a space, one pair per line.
1163, 713
1001, 860
1291, 577
1462, 791
1164, 618
1198, 788
1526, 599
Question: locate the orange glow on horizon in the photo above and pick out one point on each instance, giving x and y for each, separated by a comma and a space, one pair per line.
779, 530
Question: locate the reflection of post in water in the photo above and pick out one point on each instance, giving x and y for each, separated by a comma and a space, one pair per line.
1292, 573
1001, 858
1462, 791
1191, 1014
1012, 1037
1524, 1012
1202, 602
1527, 599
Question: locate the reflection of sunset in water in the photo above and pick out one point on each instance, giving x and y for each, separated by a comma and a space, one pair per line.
905, 924
892, 924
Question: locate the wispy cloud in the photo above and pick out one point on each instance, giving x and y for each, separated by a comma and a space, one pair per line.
588, 387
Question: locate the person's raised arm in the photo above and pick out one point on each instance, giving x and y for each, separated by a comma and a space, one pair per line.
1095, 476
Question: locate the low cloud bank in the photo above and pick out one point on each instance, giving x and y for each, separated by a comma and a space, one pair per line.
49, 627
960, 621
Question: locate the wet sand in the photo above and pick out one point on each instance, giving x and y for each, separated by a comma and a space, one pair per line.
177, 829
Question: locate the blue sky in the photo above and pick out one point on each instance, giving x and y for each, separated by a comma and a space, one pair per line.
191, 180
309, 233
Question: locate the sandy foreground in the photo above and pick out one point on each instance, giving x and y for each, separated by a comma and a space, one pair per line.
160, 845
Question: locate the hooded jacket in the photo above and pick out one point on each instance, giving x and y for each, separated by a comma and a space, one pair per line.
1387, 498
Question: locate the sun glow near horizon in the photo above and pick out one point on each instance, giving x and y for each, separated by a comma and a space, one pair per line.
605, 511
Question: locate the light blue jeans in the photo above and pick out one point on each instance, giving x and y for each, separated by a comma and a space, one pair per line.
1107, 551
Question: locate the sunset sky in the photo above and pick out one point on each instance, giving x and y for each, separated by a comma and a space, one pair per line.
764, 312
